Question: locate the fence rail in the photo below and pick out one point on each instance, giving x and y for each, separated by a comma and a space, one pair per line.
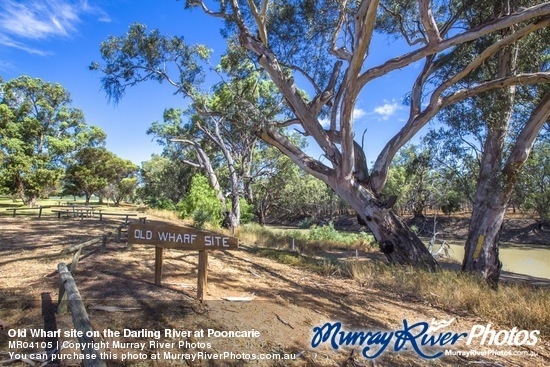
69, 295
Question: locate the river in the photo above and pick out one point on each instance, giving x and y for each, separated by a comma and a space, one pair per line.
533, 260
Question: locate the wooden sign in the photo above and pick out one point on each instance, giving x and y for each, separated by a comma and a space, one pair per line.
181, 238
177, 237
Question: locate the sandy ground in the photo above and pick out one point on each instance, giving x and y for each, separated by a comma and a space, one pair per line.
287, 303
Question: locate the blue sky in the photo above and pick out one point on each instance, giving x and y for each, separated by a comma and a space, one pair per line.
56, 40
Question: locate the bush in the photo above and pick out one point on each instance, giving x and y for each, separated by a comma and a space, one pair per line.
329, 234
201, 217
166, 204
247, 211
306, 223
201, 203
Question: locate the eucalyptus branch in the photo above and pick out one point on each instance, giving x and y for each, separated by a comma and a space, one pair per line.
286, 85
307, 163
497, 24
260, 19
220, 14
528, 135
415, 123
340, 52
286, 123
399, 20
364, 27
305, 74
428, 21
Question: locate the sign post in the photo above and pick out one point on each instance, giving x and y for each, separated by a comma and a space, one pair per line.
180, 238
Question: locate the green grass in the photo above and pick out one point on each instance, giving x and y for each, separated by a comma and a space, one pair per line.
307, 241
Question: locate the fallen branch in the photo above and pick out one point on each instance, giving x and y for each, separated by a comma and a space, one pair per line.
283, 321
255, 274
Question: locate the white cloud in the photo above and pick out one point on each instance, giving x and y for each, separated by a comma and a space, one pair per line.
6, 41
357, 114
39, 20
325, 123
387, 110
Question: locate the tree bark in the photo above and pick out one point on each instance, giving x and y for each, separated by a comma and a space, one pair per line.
260, 213
494, 188
397, 241
482, 246
491, 199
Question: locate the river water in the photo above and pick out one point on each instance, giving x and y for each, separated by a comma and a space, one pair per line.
525, 259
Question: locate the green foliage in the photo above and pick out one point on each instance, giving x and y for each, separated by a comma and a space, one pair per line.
412, 179
306, 223
533, 186
39, 134
201, 217
247, 211
166, 204
141, 55
164, 181
328, 234
201, 203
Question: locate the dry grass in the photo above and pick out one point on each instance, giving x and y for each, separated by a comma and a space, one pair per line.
511, 305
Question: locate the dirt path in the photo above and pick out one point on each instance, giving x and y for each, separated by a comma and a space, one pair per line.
287, 302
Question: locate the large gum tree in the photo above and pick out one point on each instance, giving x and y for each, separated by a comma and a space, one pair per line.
325, 46
502, 125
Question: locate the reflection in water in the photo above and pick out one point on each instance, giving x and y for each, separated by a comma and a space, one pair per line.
528, 260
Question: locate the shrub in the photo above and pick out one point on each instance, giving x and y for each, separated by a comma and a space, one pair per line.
201, 203
247, 211
306, 223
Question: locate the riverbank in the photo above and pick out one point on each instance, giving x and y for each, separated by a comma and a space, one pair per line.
514, 230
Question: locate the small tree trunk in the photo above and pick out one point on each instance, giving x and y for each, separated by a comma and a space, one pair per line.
260, 213
235, 215
88, 198
21, 191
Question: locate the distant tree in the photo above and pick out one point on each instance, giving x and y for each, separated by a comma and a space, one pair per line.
121, 190
534, 182
414, 179
95, 168
220, 125
164, 180
39, 133
122, 180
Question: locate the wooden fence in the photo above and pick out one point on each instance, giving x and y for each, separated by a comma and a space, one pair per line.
69, 295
